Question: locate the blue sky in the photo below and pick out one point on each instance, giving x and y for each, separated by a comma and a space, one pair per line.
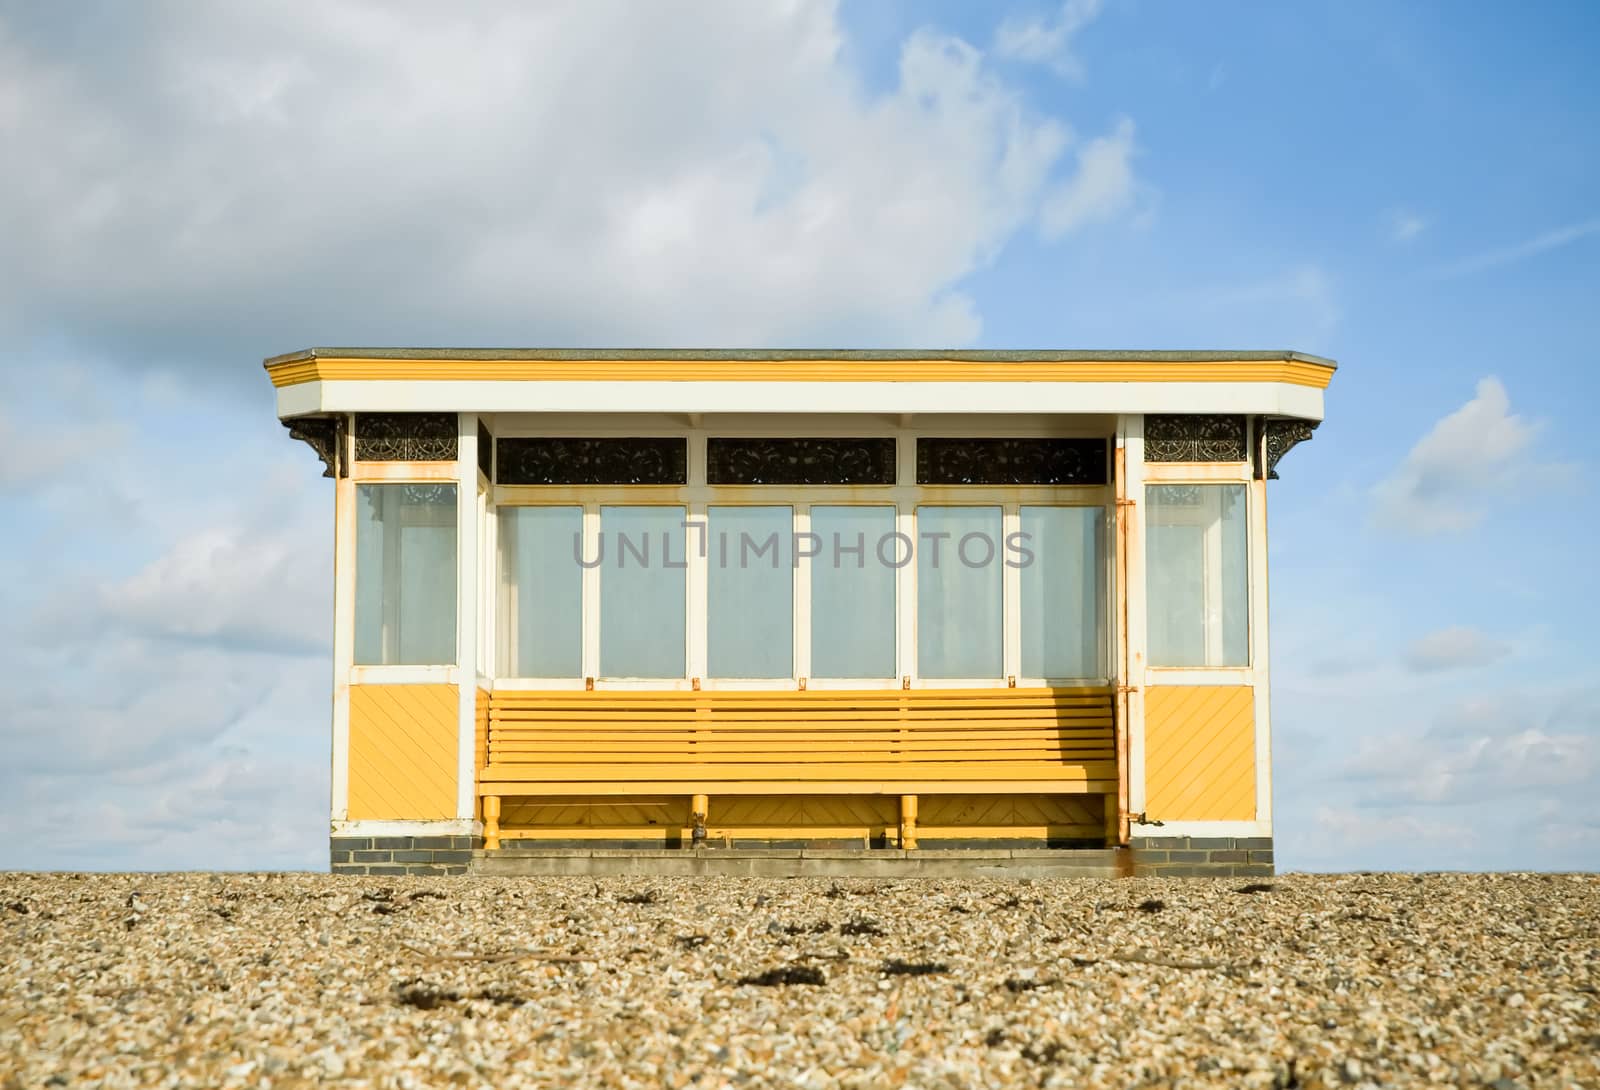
1413, 190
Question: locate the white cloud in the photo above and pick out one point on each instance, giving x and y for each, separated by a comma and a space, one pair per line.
1476, 453
169, 686
1048, 40
709, 175
226, 586
1477, 750
1506, 255
1405, 225
1358, 829
1453, 648
1102, 187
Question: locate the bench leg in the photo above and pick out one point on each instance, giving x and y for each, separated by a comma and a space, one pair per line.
1113, 822
908, 822
491, 822
698, 810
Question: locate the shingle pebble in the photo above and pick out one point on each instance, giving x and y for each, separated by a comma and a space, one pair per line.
301, 980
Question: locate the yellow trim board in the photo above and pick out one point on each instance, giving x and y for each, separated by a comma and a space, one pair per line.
1293, 372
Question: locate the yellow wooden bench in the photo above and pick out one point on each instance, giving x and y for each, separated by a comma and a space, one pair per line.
905, 742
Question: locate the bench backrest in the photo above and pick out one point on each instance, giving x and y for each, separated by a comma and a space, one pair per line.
968, 734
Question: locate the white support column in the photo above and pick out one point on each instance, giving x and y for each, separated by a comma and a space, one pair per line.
1258, 651
344, 630
1134, 670
466, 612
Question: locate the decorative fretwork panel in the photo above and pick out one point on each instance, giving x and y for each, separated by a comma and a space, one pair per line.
325, 435
800, 461
545, 460
1011, 461
406, 437
1281, 436
1195, 437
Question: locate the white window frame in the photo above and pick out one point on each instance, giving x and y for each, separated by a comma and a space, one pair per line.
905, 496
1197, 473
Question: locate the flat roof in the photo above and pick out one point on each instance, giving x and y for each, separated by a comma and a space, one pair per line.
1075, 355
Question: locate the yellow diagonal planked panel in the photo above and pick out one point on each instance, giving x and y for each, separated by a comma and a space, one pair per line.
1199, 753
403, 752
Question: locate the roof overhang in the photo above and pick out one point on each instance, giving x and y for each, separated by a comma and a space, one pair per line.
323, 380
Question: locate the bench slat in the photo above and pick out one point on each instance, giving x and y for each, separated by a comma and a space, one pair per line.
613, 788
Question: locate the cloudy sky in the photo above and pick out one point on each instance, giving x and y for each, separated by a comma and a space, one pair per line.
185, 189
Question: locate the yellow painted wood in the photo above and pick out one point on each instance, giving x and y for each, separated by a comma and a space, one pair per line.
804, 815
480, 742
518, 785
908, 822
491, 822
402, 752
1295, 372
480, 722
819, 763
1077, 816
1200, 753
792, 771
657, 697
595, 812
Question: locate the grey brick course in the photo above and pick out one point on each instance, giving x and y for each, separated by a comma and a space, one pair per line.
398, 855
1191, 856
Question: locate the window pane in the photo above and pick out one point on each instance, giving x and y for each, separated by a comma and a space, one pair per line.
405, 575
541, 603
642, 590
750, 592
1063, 592
852, 592
1198, 575
959, 601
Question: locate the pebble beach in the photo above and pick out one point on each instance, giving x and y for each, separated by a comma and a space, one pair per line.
298, 980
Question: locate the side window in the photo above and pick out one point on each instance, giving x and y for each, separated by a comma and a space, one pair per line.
1198, 578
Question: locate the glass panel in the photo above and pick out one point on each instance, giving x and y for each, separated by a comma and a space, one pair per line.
750, 592
852, 591
959, 597
642, 589
1063, 591
405, 575
1198, 585
541, 592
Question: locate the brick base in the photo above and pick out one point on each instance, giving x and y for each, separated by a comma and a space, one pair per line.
396, 855
1202, 856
